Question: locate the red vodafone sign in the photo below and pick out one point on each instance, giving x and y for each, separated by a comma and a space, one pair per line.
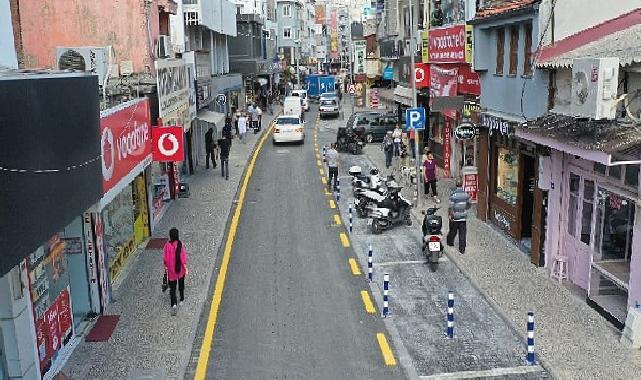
125, 141
168, 144
422, 75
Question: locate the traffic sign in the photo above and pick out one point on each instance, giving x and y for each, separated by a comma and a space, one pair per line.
351, 89
415, 118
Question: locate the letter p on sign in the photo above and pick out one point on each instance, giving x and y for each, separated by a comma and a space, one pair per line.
415, 118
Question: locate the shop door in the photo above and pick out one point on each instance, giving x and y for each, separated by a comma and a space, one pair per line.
527, 205
481, 206
141, 210
539, 226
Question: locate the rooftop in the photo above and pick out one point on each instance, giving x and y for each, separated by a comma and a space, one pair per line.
502, 7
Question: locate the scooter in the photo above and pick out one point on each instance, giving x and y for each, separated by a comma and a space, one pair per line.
432, 235
392, 211
361, 183
365, 200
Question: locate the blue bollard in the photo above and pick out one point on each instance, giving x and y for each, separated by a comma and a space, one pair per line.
350, 217
370, 265
450, 315
385, 291
530, 339
338, 188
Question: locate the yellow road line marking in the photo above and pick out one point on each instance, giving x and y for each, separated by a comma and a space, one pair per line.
206, 346
321, 171
324, 181
319, 163
337, 220
367, 301
356, 271
317, 156
388, 355
332, 204
344, 239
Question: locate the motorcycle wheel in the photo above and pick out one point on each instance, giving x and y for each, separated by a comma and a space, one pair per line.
376, 228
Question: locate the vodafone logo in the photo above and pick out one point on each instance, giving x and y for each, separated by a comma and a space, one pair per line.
419, 74
108, 154
168, 144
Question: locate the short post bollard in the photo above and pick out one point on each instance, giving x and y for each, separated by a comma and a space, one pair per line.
338, 188
385, 290
370, 264
450, 315
350, 217
324, 151
530, 339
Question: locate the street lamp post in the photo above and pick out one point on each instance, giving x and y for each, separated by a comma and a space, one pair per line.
297, 42
412, 79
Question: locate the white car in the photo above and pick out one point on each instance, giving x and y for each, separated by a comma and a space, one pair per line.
303, 95
329, 107
289, 128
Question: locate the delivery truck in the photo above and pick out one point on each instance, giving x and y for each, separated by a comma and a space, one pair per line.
318, 84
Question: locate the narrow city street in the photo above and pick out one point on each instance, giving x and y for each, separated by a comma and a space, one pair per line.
291, 307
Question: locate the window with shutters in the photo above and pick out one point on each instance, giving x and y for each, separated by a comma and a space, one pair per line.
514, 49
500, 50
527, 50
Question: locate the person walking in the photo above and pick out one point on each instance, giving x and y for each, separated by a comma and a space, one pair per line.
211, 148
227, 128
242, 127
175, 261
225, 147
388, 148
396, 135
459, 203
332, 165
236, 116
259, 118
429, 176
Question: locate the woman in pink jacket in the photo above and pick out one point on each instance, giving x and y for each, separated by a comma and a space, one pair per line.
175, 261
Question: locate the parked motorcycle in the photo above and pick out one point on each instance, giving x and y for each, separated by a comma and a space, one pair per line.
432, 237
391, 211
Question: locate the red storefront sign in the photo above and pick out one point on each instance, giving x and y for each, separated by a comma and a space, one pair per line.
125, 142
168, 144
468, 80
471, 185
422, 75
53, 327
443, 82
447, 45
447, 150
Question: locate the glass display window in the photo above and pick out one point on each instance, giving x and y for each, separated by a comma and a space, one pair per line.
507, 176
614, 227
118, 219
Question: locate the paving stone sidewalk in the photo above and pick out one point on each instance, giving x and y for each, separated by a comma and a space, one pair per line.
572, 340
149, 342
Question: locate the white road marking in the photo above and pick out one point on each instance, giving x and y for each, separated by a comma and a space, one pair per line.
485, 373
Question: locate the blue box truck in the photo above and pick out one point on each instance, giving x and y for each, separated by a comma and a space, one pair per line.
318, 84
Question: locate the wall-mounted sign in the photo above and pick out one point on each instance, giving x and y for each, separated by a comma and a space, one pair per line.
221, 99
465, 131
168, 144
173, 91
422, 75
497, 125
448, 45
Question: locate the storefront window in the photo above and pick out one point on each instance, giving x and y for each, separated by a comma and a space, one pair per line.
614, 226
118, 219
632, 175
586, 214
507, 176
573, 205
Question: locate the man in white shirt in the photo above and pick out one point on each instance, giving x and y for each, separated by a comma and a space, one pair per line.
332, 165
259, 116
242, 126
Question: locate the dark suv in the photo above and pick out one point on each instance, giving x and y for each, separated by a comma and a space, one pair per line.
376, 124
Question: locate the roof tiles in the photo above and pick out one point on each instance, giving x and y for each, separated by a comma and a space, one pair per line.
498, 7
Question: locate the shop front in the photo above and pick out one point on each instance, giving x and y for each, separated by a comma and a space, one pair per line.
123, 212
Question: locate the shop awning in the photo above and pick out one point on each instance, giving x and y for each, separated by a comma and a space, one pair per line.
403, 95
608, 142
212, 117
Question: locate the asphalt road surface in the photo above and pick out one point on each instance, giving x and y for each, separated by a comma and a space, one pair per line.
291, 306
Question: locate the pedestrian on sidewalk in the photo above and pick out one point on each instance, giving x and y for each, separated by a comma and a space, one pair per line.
332, 165
459, 204
242, 127
227, 128
225, 147
397, 134
236, 116
388, 148
429, 176
175, 260
259, 118
210, 148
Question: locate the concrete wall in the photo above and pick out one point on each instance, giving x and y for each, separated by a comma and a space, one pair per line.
582, 13
294, 22
18, 330
495, 89
121, 24
8, 57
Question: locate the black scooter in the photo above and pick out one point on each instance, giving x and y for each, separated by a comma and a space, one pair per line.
432, 236
391, 211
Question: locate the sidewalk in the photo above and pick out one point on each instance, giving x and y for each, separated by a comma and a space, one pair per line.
148, 342
572, 340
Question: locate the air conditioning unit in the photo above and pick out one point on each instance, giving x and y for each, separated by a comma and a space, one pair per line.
163, 49
85, 58
594, 87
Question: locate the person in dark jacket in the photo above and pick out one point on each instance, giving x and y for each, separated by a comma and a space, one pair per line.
227, 128
459, 204
225, 147
210, 148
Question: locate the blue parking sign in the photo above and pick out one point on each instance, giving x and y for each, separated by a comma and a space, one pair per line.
415, 118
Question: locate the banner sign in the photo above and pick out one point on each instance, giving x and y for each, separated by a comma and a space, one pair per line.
320, 14
425, 46
173, 91
447, 149
125, 143
443, 82
359, 56
470, 185
53, 327
468, 80
448, 45
422, 75
168, 144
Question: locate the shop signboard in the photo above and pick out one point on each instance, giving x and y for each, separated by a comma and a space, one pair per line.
447, 149
422, 75
388, 73
425, 46
465, 131
173, 90
53, 327
471, 185
359, 56
497, 125
468, 80
448, 45
125, 145
444, 83
168, 144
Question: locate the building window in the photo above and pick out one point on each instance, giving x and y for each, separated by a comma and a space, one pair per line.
627, 175
632, 175
586, 213
287, 33
507, 176
614, 226
527, 53
500, 50
287, 10
573, 205
514, 49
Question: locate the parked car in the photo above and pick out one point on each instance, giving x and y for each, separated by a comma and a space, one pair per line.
376, 124
303, 95
289, 128
329, 107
